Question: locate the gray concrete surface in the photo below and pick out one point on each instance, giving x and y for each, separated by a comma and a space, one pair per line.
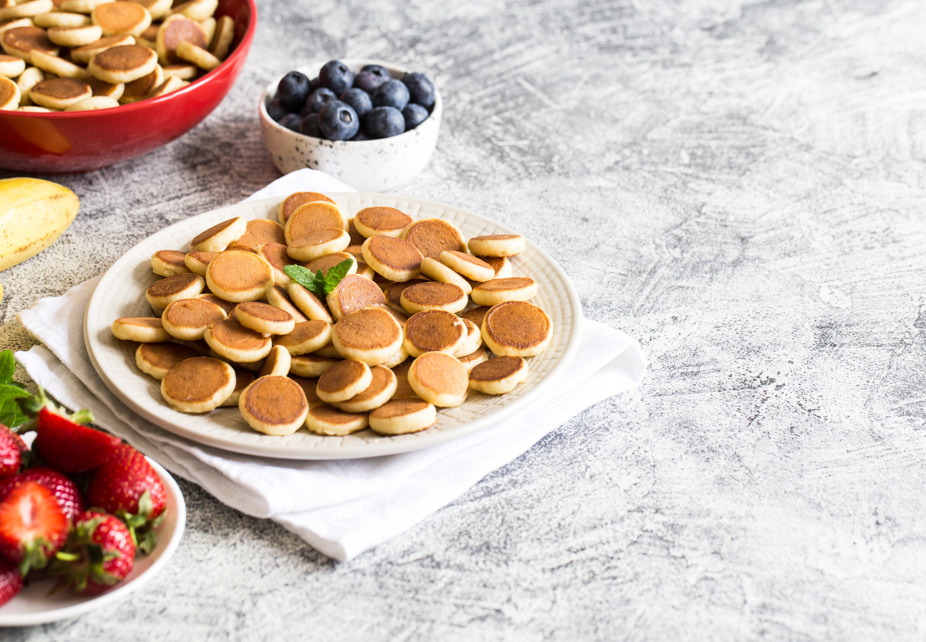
739, 185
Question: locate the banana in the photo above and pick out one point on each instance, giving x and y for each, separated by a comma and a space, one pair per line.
33, 214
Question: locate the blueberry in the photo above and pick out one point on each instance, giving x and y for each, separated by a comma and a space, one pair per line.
420, 88
317, 100
393, 93
361, 135
384, 122
293, 90
314, 84
359, 100
414, 115
309, 126
370, 79
338, 120
291, 121
336, 76
276, 110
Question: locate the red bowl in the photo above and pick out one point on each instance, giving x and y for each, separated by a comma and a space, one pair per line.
66, 142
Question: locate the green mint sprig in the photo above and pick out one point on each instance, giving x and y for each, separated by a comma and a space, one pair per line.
322, 283
11, 415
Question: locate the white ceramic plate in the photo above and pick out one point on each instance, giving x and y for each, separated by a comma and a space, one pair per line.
121, 293
32, 606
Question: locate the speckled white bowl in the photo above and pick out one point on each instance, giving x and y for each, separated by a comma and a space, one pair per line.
366, 165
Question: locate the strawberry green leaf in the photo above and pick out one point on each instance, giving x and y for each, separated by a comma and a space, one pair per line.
7, 366
10, 413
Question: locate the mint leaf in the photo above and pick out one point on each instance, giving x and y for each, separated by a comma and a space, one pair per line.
305, 278
335, 274
11, 414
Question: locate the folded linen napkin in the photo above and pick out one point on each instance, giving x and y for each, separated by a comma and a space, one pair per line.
366, 501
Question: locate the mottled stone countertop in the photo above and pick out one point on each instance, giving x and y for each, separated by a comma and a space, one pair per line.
740, 186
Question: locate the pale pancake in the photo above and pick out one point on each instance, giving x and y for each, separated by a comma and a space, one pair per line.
292, 202
432, 236
26, 81
497, 291
328, 420
198, 56
371, 335
60, 19
439, 378
434, 331
470, 361
168, 263
258, 233
403, 416
93, 104
223, 38
277, 363
141, 329
497, 245
198, 385
392, 258
314, 244
197, 262
233, 341
309, 304
381, 221
278, 298
264, 318
393, 293
499, 375
382, 387
188, 319
343, 381
473, 339
219, 236
433, 295
174, 288
141, 89
310, 365
243, 379
158, 9
168, 86
517, 329
274, 405
354, 293
183, 72
75, 36
198, 10
84, 55
156, 359
467, 265
123, 64
58, 66
437, 271
26, 10
305, 337
239, 276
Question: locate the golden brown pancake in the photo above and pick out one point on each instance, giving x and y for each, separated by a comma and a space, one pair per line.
123, 64
294, 201
328, 420
22, 41
516, 328
277, 363
370, 335
379, 391
243, 379
403, 388
141, 329
434, 331
344, 380
317, 215
314, 244
9, 94
278, 298
275, 254
174, 30
476, 315
188, 319
156, 359
401, 317
356, 238
392, 258
432, 236
328, 261
393, 292
235, 342
305, 337
308, 386
439, 378
500, 264
198, 385
260, 231
354, 293
174, 288
84, 55
239, 276
403, 416
386, 221
227, 306
310, 305
274, 405
310, 365
168, 263
197, 262
121, 17
497, 245
499, 375
433, 296
58, 93
472, 360
501, 290
264, 318
139, 89
467, 265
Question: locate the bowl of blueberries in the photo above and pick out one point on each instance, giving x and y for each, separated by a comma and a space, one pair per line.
370, 124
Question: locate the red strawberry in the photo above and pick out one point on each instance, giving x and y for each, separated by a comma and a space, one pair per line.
69, 447
127, 486
32, 526
11, 582
12, 448
99, 553
62, 486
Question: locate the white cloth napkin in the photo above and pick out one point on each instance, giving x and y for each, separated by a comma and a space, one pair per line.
341, 508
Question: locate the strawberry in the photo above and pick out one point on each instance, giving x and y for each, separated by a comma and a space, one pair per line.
11, 582
127, 486
62, 486
69, 447
32, 526
12, 448
99, 553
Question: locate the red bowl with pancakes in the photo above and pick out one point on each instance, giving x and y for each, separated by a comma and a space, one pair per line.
68, 142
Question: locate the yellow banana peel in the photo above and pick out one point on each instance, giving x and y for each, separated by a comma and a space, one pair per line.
33, 214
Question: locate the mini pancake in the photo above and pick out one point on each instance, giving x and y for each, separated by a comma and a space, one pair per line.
198, 385
123, 64
308, 385
476, 315
227, 306
309, 304
439, 378
198, 56
328, 351
93, 104
11, 66
393, 258
305, 337
278, 298
328, 420
26, 81
174, 288
158, 9
403, 389
317, 243
434, 331
274, 405
84, 55
264, 318
497, 245
467, 265
470, 361
9, 94
174, 30
15, 24
381, 388
250, 366
311, 365
168, 263
166, 87
188, 319
393, 293
381, 221
317, 215
473, 339
403, 416
22, 41
292, 202
196, 9
60, 19
517, 329
356, 238
499, 375
140, 89
223, 38
197, 262
437, 271
369, 335
81, 6
156, 359
343, 381
433, 295
200, 346
75, 36
365, 270
401, 317
354, 293
239, 276
400, 356
518, 288
35, 110
183, 72
233, 341
58, 66
258, 233
329, 261
26, 9
500, 264
208, 27
277, 363
243, 379
431, 236
141, 329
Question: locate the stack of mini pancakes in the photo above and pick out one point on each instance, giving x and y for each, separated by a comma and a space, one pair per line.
79, 55
403, 333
